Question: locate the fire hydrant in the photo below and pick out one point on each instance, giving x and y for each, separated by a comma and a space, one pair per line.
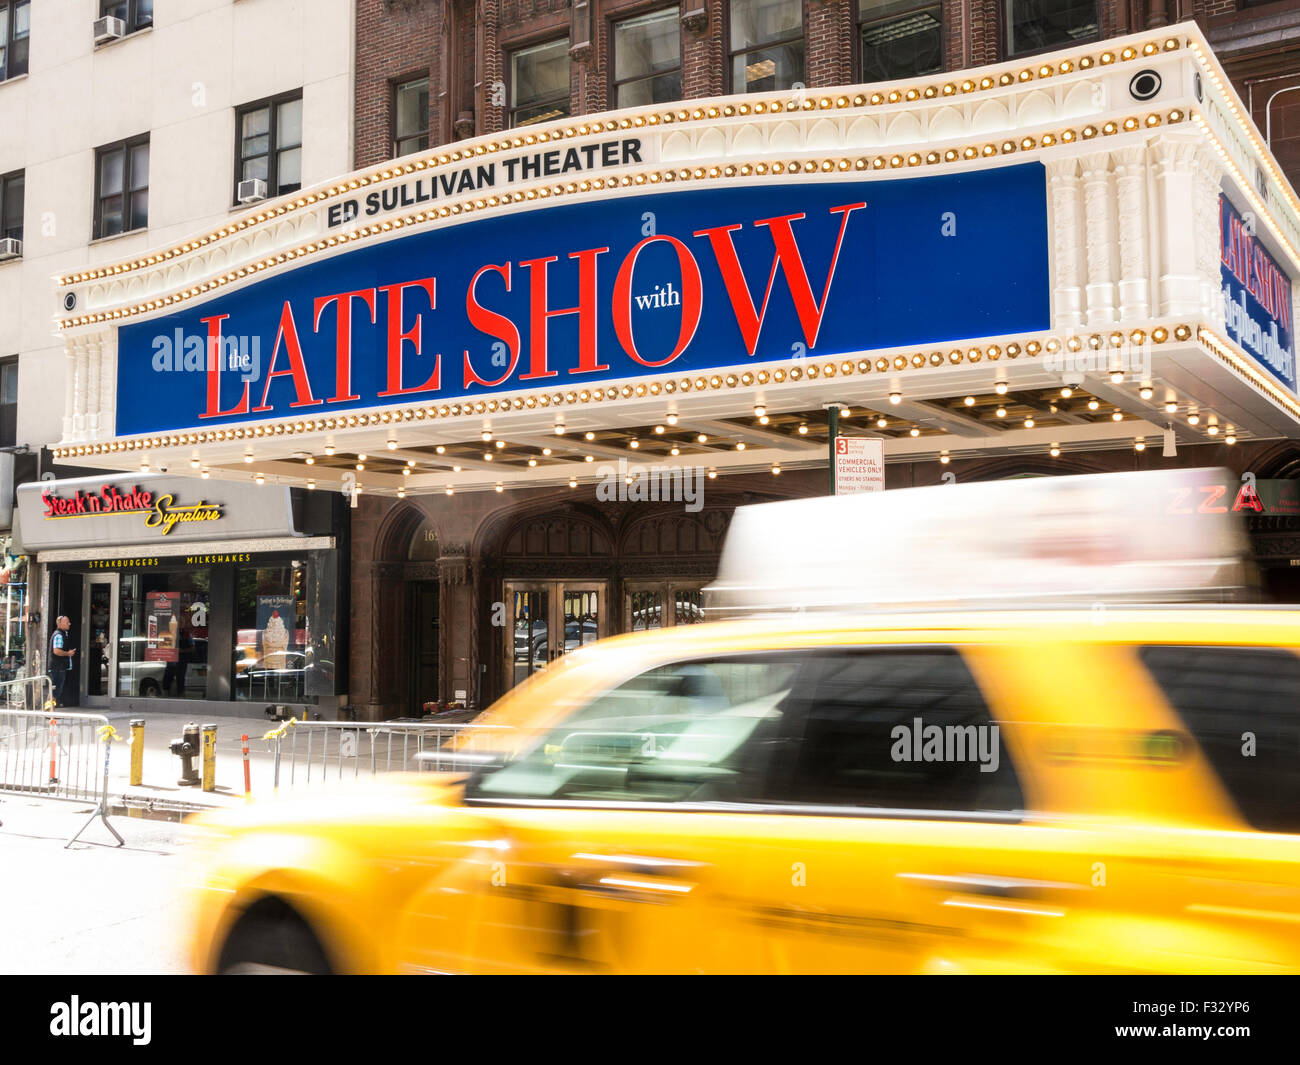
187, 747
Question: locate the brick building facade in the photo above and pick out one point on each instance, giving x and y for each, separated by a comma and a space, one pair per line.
463, 48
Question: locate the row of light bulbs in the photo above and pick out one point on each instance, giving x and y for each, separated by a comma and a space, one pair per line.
758, 107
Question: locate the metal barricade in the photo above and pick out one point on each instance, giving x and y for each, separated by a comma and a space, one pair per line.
47, 753
323, 753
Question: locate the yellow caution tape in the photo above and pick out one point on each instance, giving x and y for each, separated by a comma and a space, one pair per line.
276, 733
108, 732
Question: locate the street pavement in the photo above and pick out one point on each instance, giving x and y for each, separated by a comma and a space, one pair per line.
94, 908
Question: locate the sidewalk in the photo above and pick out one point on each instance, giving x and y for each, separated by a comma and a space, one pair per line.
162, 769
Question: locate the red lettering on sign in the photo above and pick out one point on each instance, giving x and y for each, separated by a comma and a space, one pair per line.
343, 343
493, 324
288, 333
396, 300
692, 300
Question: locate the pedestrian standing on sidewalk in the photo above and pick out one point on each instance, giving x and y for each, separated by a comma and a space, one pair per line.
61, 656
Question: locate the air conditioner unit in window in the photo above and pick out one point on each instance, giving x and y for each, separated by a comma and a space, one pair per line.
109, 29
251, 190
10, 248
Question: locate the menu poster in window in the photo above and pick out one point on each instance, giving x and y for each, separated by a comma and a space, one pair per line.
275, 621
163, 626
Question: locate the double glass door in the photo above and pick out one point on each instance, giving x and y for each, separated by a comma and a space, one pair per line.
549, 619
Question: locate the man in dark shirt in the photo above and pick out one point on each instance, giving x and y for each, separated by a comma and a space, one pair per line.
61, 656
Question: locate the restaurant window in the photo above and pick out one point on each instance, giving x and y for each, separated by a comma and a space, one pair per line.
272, 640
163, 635
899, 38
1037, 25
268, 144
410, 117
767, 47
13, 609
648, 59
15, 27
539, 83
9, 402
122, 187
12, 197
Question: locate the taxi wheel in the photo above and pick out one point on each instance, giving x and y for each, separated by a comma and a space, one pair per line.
272, 940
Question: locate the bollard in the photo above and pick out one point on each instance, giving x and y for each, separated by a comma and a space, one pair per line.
209, 757
247, 783
54, 748
137, 753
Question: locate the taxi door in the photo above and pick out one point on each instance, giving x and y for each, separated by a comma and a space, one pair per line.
618, 843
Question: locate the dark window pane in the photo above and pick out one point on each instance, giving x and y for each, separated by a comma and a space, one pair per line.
144, 12
768, 69
11, 200
647, 45
139, 209
1037, 24
760, 21
163, 640
413, 144
289, 171
903, 47
663, 88
9, 383
539, 85
111, 170
1223, 693
901, 730
140, 167
116, 8
288, 124
254, 168
110, 213
411, 114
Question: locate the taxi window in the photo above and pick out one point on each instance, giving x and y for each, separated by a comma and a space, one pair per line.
1242, 704
901, 730
688, 732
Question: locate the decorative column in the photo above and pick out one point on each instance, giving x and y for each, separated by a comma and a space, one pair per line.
1178, 281
1208, 250
1099, 199
107, 384
1067, 237
1134, 262
69, 383
80, 374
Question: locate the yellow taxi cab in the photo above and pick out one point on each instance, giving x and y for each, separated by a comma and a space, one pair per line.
969, 792
859, 787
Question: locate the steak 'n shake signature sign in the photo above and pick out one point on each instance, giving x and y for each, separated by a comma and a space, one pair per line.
573, 295
161, 512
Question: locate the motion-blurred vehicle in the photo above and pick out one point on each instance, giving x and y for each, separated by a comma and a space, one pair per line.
1050, 790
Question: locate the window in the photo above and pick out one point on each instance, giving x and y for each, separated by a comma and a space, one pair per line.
11, 205
15, 26
1221, 693
900, 730
766, 44
137, 14
1035, 25
122, 187
269, 144
8, 402
689, 732
645, 606
271, 639
648, 59
163, 636
900, 39
410, 117
539, 83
